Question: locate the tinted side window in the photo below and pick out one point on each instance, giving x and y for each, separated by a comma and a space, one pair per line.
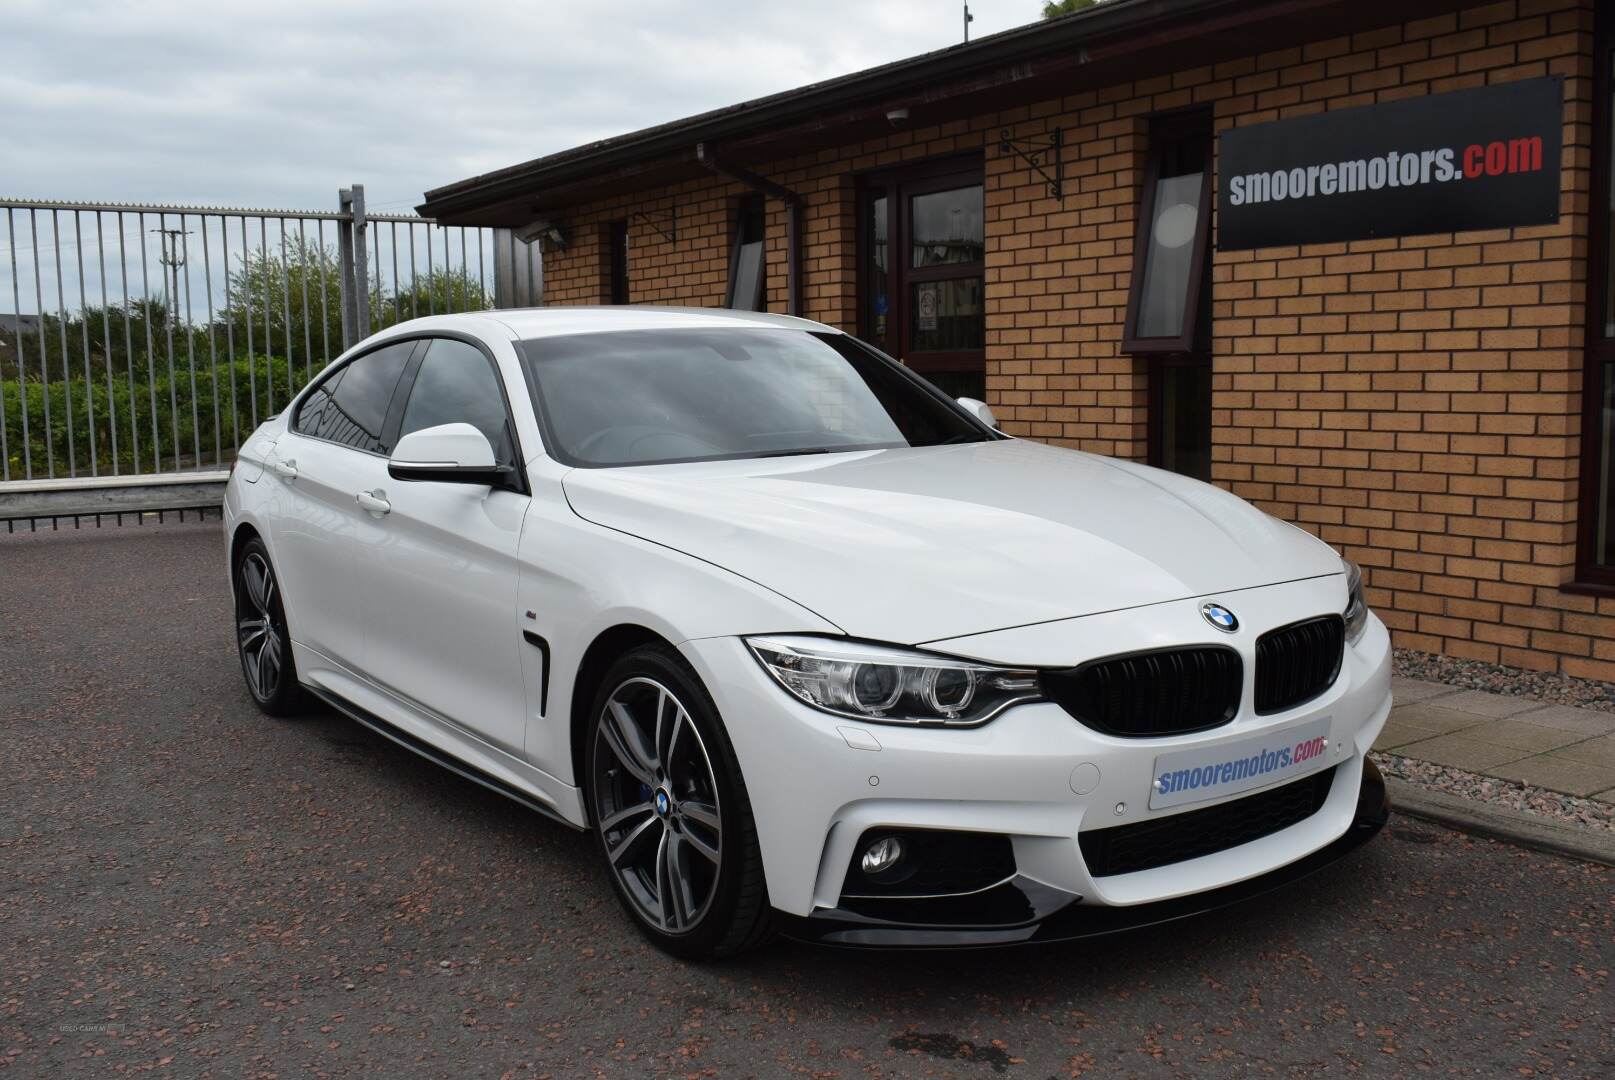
351, 407
317, 416
458, 384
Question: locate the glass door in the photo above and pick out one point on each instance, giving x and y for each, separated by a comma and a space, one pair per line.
922, 267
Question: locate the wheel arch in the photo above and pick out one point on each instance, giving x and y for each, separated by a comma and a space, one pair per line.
244, 533
602, 652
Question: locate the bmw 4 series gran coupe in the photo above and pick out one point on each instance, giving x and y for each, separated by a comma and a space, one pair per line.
808, 646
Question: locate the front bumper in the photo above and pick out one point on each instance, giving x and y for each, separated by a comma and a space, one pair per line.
1053, 915
818, 783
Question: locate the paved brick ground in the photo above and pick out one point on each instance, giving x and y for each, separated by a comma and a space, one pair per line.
1549, 746
189, 889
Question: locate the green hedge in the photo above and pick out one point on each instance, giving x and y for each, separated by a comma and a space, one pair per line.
259, 380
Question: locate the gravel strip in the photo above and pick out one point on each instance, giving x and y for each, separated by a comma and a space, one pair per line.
1468, 785
1499, 679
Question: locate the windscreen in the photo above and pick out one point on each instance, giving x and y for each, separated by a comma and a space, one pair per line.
642, 397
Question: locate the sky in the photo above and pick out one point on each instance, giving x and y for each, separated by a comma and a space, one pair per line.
279, 105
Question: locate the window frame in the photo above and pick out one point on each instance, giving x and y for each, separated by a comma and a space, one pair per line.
1163, 130
1156, 409
737, 224
420, 341
619, 292
389, 424
1598, 350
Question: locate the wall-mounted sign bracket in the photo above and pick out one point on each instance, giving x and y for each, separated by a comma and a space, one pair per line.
1042, 156
670, 232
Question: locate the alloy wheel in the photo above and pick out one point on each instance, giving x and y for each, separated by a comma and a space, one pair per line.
260, 634
656, 805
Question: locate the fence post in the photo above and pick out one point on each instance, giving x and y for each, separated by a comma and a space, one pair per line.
344, 270
353, 273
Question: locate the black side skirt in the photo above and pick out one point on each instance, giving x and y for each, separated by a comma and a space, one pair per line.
433, 754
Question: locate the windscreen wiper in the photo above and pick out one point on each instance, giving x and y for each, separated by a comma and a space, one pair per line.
795, 453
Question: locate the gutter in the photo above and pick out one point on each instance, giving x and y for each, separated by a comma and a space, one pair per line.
1067, 36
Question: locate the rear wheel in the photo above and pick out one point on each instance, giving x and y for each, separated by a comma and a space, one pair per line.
670, 810
261, 635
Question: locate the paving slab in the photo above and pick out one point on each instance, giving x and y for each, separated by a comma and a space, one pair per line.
1495, 706
1462, 752
1553, 772
1600, 752
1502, 736
1435, 717
1406, 691
1410, 725
1567, 718
1399, 732
1518, 736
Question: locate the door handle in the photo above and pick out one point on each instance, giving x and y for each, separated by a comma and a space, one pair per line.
288, 469
373, 502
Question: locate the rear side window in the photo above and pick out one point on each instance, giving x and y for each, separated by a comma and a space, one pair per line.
458, 384
351, 407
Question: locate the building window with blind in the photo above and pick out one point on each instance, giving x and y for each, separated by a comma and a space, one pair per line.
1174, 226
1596, 548
1167, 304
746, 256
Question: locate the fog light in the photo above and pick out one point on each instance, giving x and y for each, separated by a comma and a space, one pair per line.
882, 855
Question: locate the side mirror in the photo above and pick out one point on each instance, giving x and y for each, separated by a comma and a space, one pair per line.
448, 453
980, 411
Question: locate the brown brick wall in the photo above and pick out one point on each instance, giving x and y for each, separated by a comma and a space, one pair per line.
1413, 401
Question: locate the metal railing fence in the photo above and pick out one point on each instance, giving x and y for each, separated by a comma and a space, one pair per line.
147, 339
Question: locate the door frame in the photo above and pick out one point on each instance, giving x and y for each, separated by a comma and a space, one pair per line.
899, 183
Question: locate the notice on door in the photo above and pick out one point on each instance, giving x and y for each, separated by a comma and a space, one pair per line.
1485, 158
925, 302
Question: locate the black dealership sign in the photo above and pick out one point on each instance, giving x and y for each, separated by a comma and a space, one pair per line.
1486, 158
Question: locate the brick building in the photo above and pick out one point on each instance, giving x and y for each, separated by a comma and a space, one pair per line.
1415, 398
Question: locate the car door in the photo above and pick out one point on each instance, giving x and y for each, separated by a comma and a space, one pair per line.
335, 438
438, 567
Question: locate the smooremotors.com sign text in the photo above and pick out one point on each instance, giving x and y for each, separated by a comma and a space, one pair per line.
1485, 158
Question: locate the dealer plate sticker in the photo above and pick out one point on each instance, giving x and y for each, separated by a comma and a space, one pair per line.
1212, 772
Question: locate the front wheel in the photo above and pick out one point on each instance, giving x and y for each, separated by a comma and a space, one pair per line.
671, 812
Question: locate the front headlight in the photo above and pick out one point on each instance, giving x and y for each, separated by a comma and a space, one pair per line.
1356, 613
891, 685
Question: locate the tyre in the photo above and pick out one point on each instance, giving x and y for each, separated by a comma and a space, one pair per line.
670, 810
262, 639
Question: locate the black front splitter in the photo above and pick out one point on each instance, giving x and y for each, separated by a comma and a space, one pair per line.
1066, 920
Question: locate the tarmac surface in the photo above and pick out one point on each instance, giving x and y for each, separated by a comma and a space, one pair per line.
189, 888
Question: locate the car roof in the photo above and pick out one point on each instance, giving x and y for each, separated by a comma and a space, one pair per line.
527, 323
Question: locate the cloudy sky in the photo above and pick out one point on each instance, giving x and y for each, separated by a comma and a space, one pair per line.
278, 105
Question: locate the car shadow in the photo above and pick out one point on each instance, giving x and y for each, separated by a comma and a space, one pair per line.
1290, 915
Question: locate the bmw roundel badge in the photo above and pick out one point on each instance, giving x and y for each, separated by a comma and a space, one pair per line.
1220, 617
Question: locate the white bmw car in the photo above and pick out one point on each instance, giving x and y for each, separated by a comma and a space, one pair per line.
807, 646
